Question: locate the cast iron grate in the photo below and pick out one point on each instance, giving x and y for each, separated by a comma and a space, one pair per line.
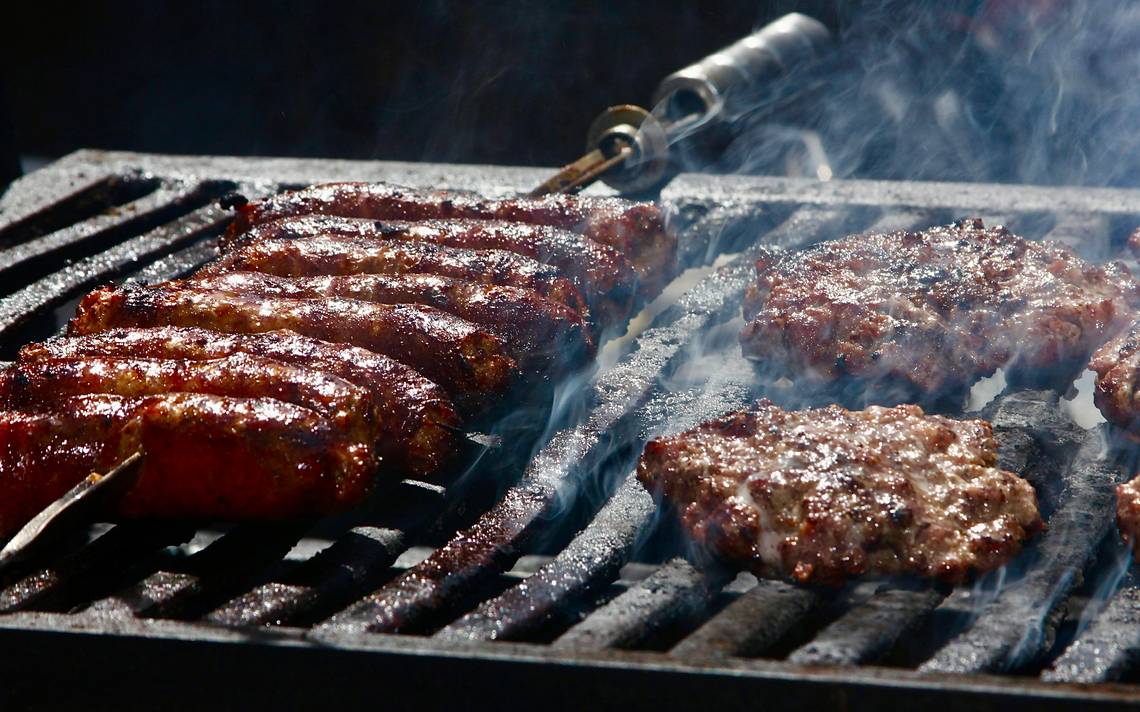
553, 575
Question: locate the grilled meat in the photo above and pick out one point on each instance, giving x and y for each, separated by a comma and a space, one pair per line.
540, 332
1128, 514
37, 385
1117, 366
415, 418
468, 361
934, 309
602, 274
341, 255
637, 230
205, 456
822, 495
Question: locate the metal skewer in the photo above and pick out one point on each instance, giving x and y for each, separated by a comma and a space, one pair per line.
80, 505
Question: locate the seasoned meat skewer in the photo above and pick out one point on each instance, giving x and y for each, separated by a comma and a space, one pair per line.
932, 311
822, 495
637, 230
602, 274
38, 384
470, 363
205, 457
340, 255
415, 417
540, 332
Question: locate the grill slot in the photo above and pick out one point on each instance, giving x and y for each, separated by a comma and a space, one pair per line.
575, 520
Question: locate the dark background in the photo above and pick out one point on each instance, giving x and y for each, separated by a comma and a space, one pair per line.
519, 82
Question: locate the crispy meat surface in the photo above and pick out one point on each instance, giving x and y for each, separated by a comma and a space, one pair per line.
341, 255
823, 495
602, 274
1128, 514
1117, 366
934, 309
415, 417
37, 385
469, 361
265, 459
540, 332
637, 230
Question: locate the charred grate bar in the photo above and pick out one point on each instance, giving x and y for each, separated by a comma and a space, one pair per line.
571, 563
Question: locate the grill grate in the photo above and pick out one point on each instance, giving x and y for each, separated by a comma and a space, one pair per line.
565, 580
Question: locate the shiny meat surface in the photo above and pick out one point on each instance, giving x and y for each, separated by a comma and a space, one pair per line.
935, 309
823, 495
1128, 514
637, 230
340, 255
265, 459
415, 417
540, 332
602, 274
467, 360
1117, 366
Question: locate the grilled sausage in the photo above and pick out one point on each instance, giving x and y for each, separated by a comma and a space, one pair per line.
603, 275
416, 419
540, 332
266, 459
468, 361
336, 254
38, 384
637, 230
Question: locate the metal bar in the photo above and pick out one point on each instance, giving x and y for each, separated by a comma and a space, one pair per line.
483, 550
278, 667
590, 561
143, 214
1014, 629
234, 562
113, 552
672, 593
867, 631
337, 573
1110, 647
750, 624
49, 291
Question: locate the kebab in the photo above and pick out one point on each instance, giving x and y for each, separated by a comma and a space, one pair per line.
341, 335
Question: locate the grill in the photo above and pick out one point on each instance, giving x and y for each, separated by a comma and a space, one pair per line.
546, 576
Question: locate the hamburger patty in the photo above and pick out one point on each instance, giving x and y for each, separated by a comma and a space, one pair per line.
934, 310
822, 495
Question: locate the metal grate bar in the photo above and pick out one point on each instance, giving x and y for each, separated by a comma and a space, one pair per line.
1110, 647
113, 551
589, 562
17, 308
1018, 626
752, 623
229, 565
338, 572
674, 592
869, 630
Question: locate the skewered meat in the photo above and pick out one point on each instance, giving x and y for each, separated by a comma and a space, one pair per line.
1117, 366
934, 309
340, 255
540, 332
1128, 514
602, 274
470, 363
637, 230
205, 456
415, 417
822, 495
